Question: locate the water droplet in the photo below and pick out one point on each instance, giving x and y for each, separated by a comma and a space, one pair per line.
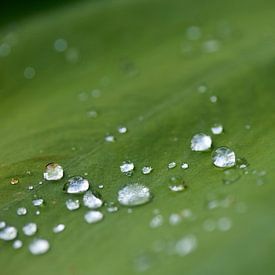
39, 246
201, 142
72, 55
2, 224
96, 93
186, 245
30, 187
100, 186
92, 114
29, 229
242, 163
184, 166
91, 201
174, 219
21, 211
93, 216
37, 212
14, 181
193, 33
111, 207
213, 99
231, 176
134, 194
127, 168
37, 202
72, 204
224, 224
8, 233
110, 138
29, 73
122, 129
202, 89
76, 185
211, 46
146, 170
17, 244
209, 225
5, 49
53, 172
224, 157
59, 228
60, 45
172, 165
217, 129
156, 221
177, 187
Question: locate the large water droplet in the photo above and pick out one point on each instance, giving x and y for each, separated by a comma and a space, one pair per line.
76, 185
29, 229
39, 246
134, 194
8, 233
201, 142
224, 157
91, 201
93, 216
72, 204
53, 172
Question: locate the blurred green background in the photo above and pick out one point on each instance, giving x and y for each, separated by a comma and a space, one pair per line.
139, 64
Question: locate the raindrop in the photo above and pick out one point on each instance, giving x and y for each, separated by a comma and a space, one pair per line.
8, 233
172, 165
217, 129
17, 244
184, 165
186, 245
59, 228
134, 194
29, 229
110, 138
39, 246
60, 45
146, 170
93, 216
156, 221
72, 204
76, 185
91, 201
127, 168
224, 157
21, 211
122, 129
37, 202
53, 172
29, 72
201, 142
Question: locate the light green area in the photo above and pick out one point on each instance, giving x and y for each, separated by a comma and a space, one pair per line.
132, 51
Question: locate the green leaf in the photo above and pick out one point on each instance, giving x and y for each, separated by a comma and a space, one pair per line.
137, 55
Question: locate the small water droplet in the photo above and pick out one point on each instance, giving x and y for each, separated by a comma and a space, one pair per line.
209, 225
146, 170
30, 229
172, 165
111, 207
53, 172
177, 187
224, 224
76, 185
72, 55
184, 165
5, 49
174, 219
92, 114
202, 89
60, 45
211, 46
186, 245
30, 187
59, 228
37, 202
96, 93
17, 244
127, 168
29, 73
201, 142
2, 224
242, 163
213, 99
14, 181
122, 129
231, 176
224, 157
91, 201
156, 221
21, 211
72, 204
110, 138
39, 246
217, 129
101, 186
193, 33
37, 212
93, 216
134, 194
8, 233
